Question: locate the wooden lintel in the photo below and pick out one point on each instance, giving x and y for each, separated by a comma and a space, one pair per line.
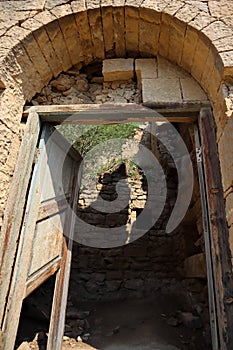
116, 113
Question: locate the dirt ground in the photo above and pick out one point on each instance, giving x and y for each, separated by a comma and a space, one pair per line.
136, 324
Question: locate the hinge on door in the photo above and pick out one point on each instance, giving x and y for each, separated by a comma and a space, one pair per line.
199, 154
36, 156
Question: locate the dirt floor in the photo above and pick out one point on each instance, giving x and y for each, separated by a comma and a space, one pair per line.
137, 324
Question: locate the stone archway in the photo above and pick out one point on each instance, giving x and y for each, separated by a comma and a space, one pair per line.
55, 39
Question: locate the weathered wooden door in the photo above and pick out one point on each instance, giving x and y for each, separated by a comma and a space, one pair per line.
45, 243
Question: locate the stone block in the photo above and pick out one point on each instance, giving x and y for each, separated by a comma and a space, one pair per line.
149, 29
164, 36
38, 59
134, 284
167, 69
217, 30
45, 17
173, 7
227, 59
229, 208
231, 240
224, 44
192, 91
201, 21
187, 13
146, 68
31, 80
96, 28
176, 40
226, 155
190, 42
195, 266
119, 28
200, 58
161, 90
119, 69
207, 73
108, 29
148, 38
113, 285
132, 31
59, 45
84, 33
70, 32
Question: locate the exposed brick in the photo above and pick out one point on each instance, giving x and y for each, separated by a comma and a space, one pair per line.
118, 69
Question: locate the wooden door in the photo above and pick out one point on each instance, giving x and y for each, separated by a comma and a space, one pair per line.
45, 243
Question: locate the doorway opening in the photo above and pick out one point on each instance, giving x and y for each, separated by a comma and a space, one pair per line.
136, 294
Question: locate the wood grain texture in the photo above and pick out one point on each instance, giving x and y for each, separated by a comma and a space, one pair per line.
220, 234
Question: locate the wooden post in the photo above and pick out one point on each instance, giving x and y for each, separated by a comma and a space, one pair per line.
220, 235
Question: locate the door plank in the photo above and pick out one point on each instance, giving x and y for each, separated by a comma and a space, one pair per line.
24, 256
15, 207
42, 275
56, 329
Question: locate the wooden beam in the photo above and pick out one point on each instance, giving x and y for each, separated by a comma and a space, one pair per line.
114, 113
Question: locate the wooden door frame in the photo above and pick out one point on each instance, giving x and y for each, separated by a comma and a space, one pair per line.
107, 114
